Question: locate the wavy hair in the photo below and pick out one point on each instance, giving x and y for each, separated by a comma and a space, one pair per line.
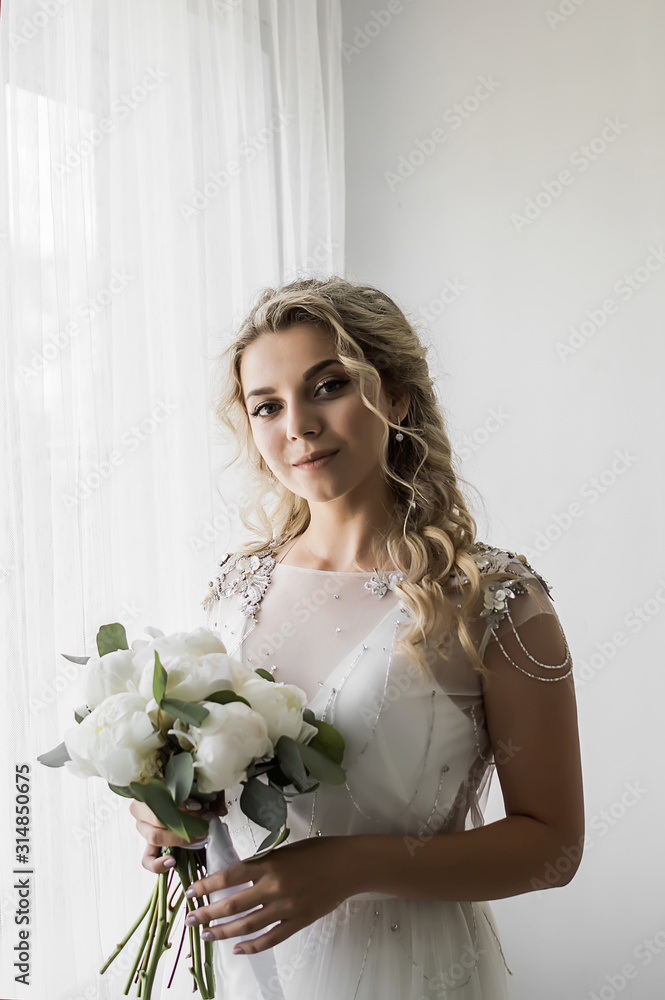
432, 529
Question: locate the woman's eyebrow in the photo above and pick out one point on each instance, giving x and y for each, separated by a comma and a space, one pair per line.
308, 374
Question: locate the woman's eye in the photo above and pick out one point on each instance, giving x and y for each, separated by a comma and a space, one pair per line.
335, 382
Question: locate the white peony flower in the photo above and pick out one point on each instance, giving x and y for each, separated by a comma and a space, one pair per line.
196, 663
116, 741
281, 705
112, 673
226, 743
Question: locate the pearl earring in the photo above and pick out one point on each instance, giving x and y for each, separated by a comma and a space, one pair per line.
399, 436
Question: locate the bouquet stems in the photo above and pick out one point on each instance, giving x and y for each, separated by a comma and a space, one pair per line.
161, 916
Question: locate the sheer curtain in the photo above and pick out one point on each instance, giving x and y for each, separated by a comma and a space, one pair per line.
161, 161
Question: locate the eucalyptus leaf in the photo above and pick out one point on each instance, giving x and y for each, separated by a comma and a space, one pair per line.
267, 676
328, 740
111, 637
196, 827
123, 790
320, 766
55, 757
291, 763
225, 697
157, 796
263, 804
273, 840
75, 659
308, 716
159, 679
179, 775
187, 711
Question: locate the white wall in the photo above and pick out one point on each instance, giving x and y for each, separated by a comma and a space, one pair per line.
542, 412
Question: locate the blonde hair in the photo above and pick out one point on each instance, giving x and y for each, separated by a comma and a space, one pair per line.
429, 542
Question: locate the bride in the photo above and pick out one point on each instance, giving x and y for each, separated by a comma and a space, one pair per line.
426, 647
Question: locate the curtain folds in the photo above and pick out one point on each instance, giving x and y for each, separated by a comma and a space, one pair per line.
160, 163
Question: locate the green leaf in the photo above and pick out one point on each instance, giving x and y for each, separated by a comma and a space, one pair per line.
55, 757
179, 775
321, 766
159, 679
291, 763
265, 674
263, 804
196, 827
187, 711
111, 637
255, 768
308, 716
273, 840
224, 697
79, 718
156, 795
328, 740
122, 790
75, 659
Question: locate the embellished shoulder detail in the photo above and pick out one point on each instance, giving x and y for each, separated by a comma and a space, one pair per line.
498, 593
246, 576
494, 560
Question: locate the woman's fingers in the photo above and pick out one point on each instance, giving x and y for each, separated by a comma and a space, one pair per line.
155, 861
153, 830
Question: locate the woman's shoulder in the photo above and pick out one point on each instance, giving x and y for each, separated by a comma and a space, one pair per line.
506, 576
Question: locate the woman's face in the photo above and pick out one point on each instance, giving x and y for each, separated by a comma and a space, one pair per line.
307, 405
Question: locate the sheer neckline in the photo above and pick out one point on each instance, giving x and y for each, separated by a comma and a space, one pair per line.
328, 572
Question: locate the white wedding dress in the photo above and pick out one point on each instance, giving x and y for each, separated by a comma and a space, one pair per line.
418, 760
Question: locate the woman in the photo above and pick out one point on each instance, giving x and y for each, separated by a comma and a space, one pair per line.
425, 648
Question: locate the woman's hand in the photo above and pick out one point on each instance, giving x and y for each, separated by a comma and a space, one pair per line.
158, 835
295, 884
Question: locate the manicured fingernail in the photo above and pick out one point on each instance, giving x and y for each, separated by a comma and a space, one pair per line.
193, 804
190, 920
190, 892
206, 935
169, 861
237, 950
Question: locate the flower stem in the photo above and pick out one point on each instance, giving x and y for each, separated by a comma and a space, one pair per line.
126, 938
197, 971
152, 905
161, 935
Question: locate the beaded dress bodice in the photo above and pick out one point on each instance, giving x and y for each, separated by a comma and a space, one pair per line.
418, 757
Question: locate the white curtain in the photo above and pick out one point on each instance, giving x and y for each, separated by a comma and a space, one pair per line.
161, 161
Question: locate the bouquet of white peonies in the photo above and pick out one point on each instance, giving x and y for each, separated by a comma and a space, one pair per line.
176, 718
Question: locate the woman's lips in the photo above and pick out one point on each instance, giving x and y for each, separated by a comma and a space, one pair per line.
318, 463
